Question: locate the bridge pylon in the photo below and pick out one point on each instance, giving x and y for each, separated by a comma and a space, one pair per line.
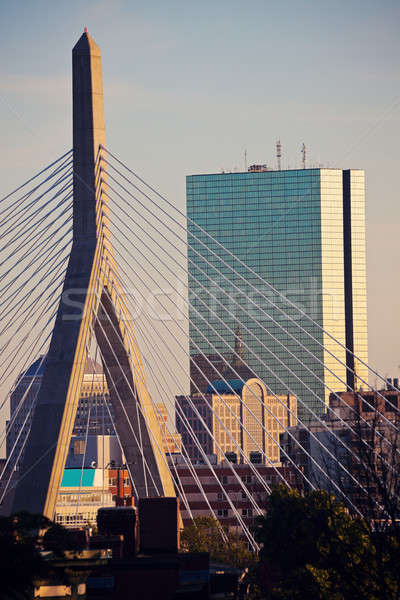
92, 304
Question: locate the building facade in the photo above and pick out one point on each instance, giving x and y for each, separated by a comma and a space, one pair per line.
232, 482
84, 491
234, 415
94, 415
94, 419
172, 441
231, 365
353, 451
303, 232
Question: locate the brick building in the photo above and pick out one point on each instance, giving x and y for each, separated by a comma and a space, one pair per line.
231, 483
359, 428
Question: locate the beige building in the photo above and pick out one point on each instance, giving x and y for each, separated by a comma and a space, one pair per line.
236, 417
172, 441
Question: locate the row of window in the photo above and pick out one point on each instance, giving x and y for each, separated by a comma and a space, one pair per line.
76, 518
224, 512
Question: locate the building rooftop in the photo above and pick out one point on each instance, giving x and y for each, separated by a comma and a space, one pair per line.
90, 478
35, 371
225, 387
273, 172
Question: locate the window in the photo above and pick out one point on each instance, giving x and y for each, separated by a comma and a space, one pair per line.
256, 457
247, 512
79, 447
224, 479
222, 512
220, 496
244, 495
247, 478
391, 402
303, 436
368, 403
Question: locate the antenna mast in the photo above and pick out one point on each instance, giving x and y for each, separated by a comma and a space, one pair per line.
245, 160
303, 154
279, 153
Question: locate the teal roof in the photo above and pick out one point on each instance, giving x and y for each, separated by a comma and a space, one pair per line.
225, 387
72, 478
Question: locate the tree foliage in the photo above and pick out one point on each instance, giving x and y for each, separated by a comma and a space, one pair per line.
19, 555
313, 548
20, 546
58, 539
205, 534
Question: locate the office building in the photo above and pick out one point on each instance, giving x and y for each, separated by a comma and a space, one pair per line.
94, 414
303, 232
84, 491
94, 419
172, 441
94, 451
233, 415
229, 365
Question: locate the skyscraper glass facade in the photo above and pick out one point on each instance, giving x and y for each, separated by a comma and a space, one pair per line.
299, 230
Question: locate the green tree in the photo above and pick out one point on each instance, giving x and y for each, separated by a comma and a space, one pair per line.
205, 534
311, 547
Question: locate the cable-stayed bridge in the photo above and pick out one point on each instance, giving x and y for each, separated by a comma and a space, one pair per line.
95, 263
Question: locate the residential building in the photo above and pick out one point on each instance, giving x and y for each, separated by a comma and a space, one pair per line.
351, 447
237, 482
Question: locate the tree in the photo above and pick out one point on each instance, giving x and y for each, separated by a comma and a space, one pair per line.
312, 547
205, 534
22, 536
19, 555
58, 539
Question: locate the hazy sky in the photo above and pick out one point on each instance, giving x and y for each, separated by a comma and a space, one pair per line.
190, 85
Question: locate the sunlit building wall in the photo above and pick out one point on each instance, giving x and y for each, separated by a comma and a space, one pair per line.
303, 232
236, 418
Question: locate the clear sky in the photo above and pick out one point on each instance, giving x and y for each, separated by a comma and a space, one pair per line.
190, 85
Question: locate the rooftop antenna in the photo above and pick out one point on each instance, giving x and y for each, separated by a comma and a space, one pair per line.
279, 153
245, 160
303, 154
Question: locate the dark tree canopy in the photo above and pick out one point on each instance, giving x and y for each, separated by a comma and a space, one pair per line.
313, 548
20, 546
19, 556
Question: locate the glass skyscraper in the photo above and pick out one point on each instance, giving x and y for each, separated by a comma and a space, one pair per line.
303, 232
